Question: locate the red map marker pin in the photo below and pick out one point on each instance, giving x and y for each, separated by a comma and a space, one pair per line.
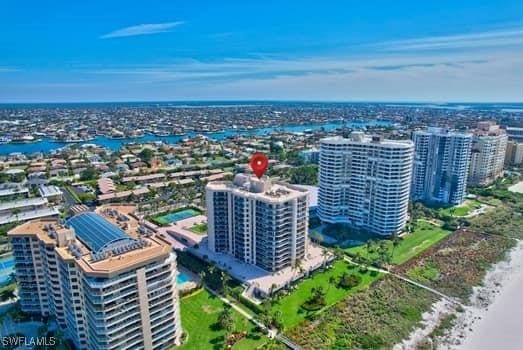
259, 163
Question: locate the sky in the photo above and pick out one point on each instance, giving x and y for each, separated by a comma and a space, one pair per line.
96, 51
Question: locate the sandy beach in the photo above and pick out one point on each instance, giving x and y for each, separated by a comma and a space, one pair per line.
430, 321
517, 187
498, 325
492, 319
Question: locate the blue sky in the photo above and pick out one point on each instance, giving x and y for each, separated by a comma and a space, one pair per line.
65, 51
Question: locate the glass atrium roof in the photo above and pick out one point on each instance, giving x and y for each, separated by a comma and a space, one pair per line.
96, 232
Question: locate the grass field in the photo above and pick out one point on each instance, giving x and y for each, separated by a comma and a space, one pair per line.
290, 305
460, 210
424, 236
199, 229
200, 322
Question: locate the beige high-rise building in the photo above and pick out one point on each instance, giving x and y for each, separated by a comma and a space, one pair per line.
489, 143
514, 153
110, 281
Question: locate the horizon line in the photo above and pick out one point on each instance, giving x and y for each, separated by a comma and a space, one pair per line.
260, 101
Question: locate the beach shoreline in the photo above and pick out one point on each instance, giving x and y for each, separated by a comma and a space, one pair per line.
490, 320
493, 319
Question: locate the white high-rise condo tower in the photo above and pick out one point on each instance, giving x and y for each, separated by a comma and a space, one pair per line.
365, 181
441, 165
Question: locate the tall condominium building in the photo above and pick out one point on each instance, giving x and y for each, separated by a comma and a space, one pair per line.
257, 221
441, 163
489, 143
515, 134
365, 182
108, 288
514, 153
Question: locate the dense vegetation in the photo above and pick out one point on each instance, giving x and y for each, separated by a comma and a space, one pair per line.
374, 318
458, 263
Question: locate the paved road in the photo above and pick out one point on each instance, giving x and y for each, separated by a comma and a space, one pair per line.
69, 200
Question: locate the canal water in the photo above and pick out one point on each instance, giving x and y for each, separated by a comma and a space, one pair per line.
46, 145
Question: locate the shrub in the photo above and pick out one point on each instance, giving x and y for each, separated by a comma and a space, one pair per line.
349, 280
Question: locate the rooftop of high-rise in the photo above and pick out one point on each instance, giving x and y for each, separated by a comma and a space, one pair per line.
262, 189
433, 130
359, 137
488, 128
103, 243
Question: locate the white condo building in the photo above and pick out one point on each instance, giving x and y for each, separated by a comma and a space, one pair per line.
489, 144
441, 165
108, 288
365, 182
257, 221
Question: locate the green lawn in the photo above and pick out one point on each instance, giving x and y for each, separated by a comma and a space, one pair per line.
199, 229
199, 321
424, 236
290, 305
460, 210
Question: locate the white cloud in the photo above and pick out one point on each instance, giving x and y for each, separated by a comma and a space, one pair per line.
495, 38
8, 69
463, 67
142, 29
487, 76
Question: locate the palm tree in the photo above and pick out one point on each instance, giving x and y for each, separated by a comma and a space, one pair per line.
16, 212
370, 242
298, 265
272, 289
225, 278
324, 255
332, 280
395, 243
277, 319
338, 252
7, 294
226, 323
202, 276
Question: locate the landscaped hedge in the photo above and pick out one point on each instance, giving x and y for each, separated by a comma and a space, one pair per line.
250, 305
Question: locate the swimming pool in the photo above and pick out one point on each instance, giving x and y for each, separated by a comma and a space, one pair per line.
183, 278
179, 215
7, 267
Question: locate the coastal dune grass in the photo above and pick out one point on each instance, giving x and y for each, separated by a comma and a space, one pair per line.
374, 318
458, 263
291, 304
